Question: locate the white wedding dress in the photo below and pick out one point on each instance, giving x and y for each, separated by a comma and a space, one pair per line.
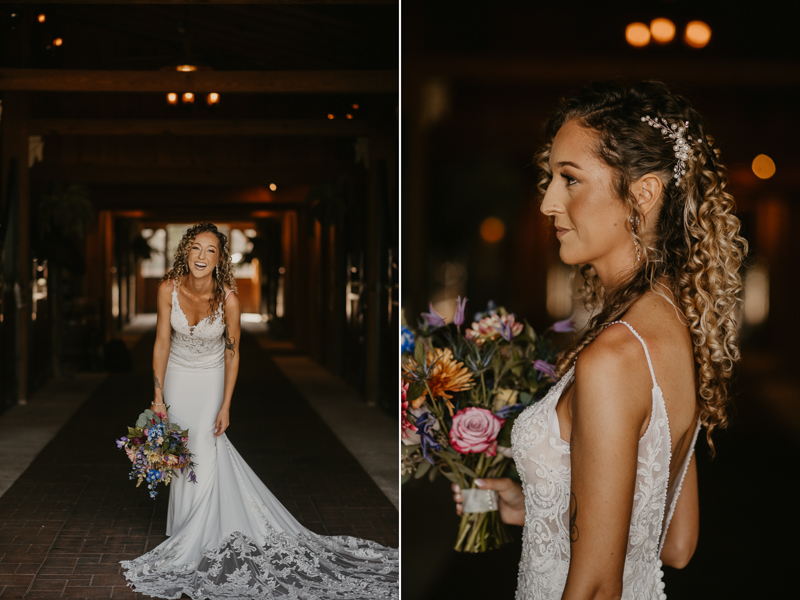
543, 462
229, 536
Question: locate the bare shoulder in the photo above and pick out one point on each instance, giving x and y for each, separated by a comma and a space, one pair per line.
231, 298
165, 289
612, 373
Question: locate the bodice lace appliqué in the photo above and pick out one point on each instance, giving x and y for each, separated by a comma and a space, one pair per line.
200, 346
543, 462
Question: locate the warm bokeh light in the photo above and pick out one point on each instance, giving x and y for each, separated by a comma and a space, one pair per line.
637, 34
355, 106
186, 68
58, 42
763, 166
492, 230
662, 30
349, 116
188, 98
273, 187
330, 116
172, 98
41, 18
697, 34
212, 98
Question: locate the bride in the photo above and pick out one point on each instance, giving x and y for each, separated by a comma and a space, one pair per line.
637, 195
229, 536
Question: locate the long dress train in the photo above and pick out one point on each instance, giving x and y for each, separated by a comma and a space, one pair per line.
229, 536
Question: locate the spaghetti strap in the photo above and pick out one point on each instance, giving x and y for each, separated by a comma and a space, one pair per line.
646, 352
228, 294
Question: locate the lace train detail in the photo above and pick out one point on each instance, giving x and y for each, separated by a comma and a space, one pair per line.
305, 566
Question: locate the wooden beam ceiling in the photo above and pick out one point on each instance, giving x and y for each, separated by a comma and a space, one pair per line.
200, 127
223, 2
263, 82
182, 175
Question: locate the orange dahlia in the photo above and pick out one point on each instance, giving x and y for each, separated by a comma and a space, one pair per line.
447, 376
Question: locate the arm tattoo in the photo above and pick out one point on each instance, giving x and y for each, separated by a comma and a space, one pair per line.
573, 516
230, 343
155, 380
574, 534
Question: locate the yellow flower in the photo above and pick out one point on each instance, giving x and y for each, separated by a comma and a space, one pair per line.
447, 375
504, 397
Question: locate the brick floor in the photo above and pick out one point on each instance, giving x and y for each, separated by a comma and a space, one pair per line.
73, 515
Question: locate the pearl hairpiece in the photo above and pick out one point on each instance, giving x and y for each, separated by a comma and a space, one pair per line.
682, 148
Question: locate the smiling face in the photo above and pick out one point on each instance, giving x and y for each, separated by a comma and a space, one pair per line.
590, 219
204, 254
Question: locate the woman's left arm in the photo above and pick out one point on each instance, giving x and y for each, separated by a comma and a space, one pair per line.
233, 330
610, 405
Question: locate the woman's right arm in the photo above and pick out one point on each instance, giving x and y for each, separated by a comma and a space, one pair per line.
161, 348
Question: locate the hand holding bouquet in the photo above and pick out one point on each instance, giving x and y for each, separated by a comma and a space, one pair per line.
460, 397
156, 448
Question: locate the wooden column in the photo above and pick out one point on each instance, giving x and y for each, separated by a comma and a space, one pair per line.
15, 168
382, 183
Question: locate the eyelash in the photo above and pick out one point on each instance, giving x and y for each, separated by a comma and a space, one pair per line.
570, 180
198, 248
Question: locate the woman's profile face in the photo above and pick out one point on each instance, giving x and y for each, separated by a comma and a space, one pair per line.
204, 254
589, 218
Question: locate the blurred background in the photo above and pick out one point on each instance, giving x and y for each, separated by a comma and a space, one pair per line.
477, 84
124, 123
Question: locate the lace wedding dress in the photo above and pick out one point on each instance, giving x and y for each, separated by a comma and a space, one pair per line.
543, 461
230, 537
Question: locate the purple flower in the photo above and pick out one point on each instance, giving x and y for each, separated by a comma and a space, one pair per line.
424, 424
564, 326
546, 368
460, 306
121, 441
433, 318
505, 327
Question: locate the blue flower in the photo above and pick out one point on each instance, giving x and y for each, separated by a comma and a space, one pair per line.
508, 411
424, 423
407, 338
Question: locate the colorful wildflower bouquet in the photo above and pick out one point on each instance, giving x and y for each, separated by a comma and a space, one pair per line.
460, 396
156, 448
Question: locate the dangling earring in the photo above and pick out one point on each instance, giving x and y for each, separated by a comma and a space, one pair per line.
635, 228
217, 271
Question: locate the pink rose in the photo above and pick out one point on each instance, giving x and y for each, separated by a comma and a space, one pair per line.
475, 430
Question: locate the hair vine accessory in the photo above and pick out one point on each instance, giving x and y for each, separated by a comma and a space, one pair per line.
676, 132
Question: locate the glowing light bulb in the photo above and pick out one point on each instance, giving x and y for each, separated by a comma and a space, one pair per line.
172, 98
188, 98
186, 68
331, 116
355, 106
637, 34
58, 42
212, 98
273, 187
662, 30
349, 116
492, 229
763, 166
697, 34
41, 18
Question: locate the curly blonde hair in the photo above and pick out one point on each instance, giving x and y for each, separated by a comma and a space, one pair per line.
223, 275
693, 247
